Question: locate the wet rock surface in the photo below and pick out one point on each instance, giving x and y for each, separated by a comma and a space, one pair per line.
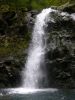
10, 73
15, 33
60, 55
17, 22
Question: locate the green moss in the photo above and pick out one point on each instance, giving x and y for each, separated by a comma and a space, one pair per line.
12, 46
34, 4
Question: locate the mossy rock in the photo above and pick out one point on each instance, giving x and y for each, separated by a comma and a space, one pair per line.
68, 7
60, 52
34, 4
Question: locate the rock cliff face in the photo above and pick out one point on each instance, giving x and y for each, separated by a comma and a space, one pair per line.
15, 32
60, 56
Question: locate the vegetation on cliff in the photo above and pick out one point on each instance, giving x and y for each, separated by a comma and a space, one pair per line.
34, 4
14, 41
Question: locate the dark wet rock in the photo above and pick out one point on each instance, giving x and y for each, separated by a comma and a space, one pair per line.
9, 17
3, 26
15, 32
60, 53
30, 19
34, 13
10, 73
68, 7
17, 22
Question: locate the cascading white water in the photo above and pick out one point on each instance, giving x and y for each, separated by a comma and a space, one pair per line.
32, 72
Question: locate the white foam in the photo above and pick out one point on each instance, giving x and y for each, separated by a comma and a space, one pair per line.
28, 90
73, 16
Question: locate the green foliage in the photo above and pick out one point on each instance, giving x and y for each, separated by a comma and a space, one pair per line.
37, 4
12, 46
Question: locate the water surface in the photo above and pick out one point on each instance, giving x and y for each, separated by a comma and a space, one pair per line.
38, 94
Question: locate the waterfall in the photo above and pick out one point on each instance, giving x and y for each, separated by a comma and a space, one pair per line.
32, 72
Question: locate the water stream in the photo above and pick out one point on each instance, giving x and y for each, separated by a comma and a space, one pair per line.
32, 72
